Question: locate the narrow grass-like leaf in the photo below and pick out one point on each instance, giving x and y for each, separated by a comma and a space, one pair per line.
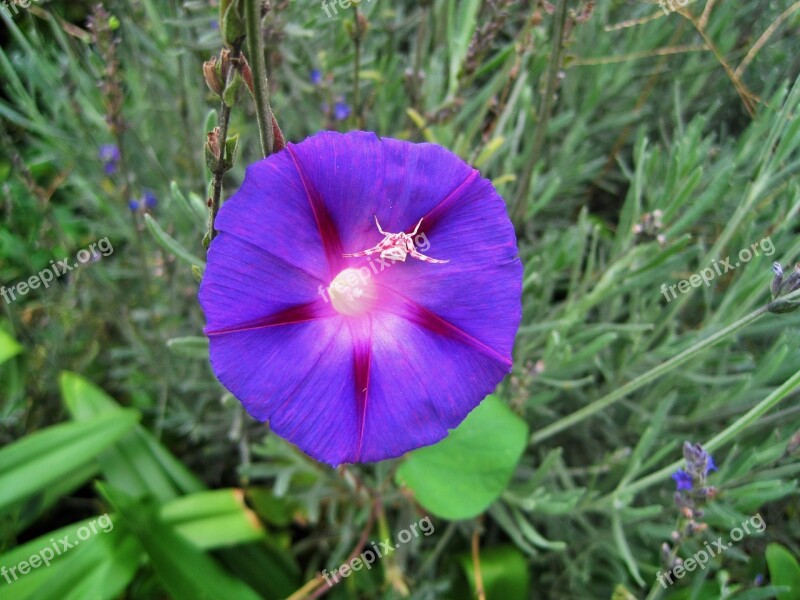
170, 244
44, 457
132, 465
186, 572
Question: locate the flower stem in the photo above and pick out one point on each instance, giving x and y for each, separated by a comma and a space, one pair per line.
642, 380
255, 50
480, 593
357, 69
219, 172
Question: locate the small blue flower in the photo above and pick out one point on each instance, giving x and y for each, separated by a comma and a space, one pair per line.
341, 110
108, 153
316, 77
133, 205
683, 480
214, 24
150, 200
710, 466
109, 156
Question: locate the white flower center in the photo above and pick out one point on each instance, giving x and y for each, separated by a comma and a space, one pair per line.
352, 292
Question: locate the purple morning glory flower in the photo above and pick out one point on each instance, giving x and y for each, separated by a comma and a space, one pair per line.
682, 479
316, 76
341, 110
358, 345
109, 156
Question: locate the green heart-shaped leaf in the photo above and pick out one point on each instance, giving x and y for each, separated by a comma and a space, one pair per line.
459, 477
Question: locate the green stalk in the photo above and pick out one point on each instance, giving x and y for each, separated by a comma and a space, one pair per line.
518, 209
357, 68
255, 51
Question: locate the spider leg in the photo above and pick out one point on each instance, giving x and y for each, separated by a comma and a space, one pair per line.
417, 227
362, 253
424, 258
379, 225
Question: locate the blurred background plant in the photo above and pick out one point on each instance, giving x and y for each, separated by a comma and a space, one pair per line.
588, 117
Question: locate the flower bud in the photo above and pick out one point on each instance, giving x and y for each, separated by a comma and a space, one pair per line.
224, 65
212, 149
279, 143
212, 76
247, 74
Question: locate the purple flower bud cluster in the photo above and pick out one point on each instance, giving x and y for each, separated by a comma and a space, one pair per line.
692, 493
691, 481
109, 156
782, 287
340, 110
148, 202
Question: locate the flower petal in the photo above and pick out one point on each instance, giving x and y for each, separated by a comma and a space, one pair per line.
363, 175
272, 211
300, 378
422, 384
244, 284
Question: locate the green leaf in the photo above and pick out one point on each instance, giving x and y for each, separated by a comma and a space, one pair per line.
214, 519
191, 207
232, 24
137, 464
230, 96
459, 477
462, 19
32, 509
190, 346
211, 117
8, 347
185, 570
141, 466
504, 572
101, 569
231, 149
100, 566
45, 457
783, 571
170, 244
272, 509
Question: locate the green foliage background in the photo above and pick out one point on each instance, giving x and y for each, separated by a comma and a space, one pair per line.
649, 112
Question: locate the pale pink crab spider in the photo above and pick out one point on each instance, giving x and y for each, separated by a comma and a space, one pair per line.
396, 246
